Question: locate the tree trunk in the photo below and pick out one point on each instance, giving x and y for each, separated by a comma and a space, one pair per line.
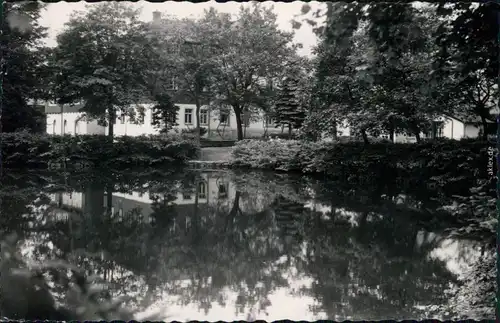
485, 126
391, 130
289, 131
334, 132
417, 136
239, 125
198, 106
365, 137
111, 123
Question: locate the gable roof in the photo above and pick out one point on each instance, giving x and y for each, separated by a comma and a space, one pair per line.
467, 118
52, 108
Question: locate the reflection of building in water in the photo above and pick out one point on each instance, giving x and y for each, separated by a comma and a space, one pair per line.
211, 189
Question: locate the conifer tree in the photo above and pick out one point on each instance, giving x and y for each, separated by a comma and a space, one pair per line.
288, 109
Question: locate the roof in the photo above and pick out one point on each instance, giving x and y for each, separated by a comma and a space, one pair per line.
467, 118
51, 108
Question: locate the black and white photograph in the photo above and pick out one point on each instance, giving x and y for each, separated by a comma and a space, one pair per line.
248, 161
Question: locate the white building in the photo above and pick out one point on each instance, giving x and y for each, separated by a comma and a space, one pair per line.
451, 127
70, 120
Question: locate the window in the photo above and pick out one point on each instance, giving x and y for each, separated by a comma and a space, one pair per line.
122, 119
54, 127
204, 117
202, 190
64, 127
222, 191
152, 118
224, 117
173, 84
77, 127
269, 121
188, 116
439, 130
186, 196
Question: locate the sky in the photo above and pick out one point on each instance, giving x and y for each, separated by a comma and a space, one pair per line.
57, 14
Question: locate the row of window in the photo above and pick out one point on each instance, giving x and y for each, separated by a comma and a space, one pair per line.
65, 126
189, 117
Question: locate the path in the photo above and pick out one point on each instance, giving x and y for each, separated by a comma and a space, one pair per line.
216, 153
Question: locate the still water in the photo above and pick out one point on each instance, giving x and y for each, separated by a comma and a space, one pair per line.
241, 246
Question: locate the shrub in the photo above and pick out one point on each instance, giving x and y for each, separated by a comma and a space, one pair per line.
284, 136
192, 131
446, 164
22, 149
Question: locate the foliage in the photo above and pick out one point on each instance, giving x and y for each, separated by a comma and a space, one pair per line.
22, 66
184, 61
24, 149
467, 61
272, 154
249, 50
269, 223
479, 208
83, 297
288, 109
109, 72
164, 113
396, 67
203, 131
443, 164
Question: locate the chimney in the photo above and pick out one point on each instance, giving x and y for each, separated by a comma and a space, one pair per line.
156, 16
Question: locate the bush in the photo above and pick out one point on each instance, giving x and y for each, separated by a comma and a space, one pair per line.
284, 136
22, 149
272, 154
203, 131
447, 164
217, 143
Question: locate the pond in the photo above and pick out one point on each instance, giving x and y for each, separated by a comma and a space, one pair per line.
230, 245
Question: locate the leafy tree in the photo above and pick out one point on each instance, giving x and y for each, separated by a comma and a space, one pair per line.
248, 51
402, 66
184, 60
22, 66
101, 59
467, 62
373, 70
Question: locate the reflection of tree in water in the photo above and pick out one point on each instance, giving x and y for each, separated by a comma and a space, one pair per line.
199, 252
372, 275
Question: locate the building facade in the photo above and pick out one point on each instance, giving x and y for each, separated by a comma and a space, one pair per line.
450, 127
69, 120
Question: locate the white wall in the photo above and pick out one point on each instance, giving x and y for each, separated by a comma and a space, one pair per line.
452, 128
471, 131
211, 190
93, 128
84, 127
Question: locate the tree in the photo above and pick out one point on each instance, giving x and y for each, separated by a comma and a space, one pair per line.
467, 61
22, 66
247, 51
373, 70
164, 113
288, 110
402, 65
183, 61
101, 59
